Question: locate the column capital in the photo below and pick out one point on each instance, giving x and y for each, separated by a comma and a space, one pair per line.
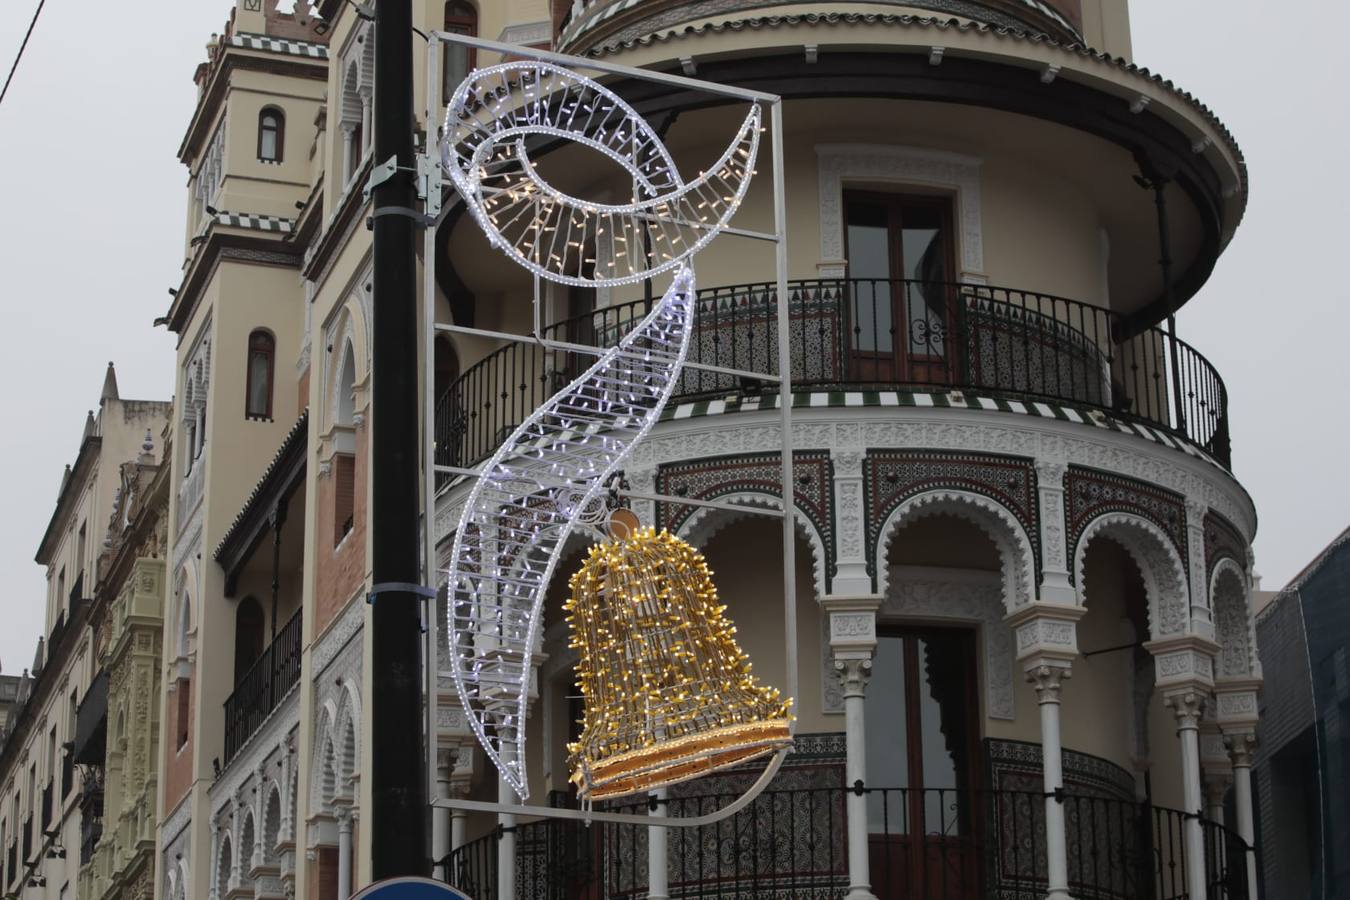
854, 672
1046, 633
853, 625
1048, 679
1240, 745
1187, 704
1236, 705
1183, 662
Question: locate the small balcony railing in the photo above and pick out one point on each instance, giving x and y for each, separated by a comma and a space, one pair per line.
263, 687
933, 844
91, 817
860, 334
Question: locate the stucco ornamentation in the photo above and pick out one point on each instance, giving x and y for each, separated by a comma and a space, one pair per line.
1158, 561
705, 522
1014, 548
931, 594
841, 163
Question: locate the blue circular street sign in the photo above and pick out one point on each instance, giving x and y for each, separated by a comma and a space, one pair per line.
410, 888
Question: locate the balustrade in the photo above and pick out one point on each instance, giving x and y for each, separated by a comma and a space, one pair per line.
860, 334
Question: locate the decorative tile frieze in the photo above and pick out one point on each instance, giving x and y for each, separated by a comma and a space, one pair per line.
1090, 493
755, 473
890, 477
1222, 540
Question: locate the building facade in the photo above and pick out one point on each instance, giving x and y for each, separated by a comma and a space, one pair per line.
43, 787
1011, 470
1300, 764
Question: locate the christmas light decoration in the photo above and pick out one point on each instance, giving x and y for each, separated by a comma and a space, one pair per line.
668, 691
550, 472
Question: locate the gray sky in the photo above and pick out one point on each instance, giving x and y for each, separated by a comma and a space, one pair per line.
94, 203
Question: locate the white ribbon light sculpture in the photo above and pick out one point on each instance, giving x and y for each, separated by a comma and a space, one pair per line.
553, 468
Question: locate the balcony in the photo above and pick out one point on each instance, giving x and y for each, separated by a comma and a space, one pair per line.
263, 687
868, 335
932, 843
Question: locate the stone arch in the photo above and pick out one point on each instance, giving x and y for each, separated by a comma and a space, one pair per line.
1158, 561
706, 521
271, 819
182, 871
224, 864
1234, 627
248, 838
322, 782
345, 741
351, 97
1015, 551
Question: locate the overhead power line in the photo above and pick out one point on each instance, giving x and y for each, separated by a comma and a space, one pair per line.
37, 12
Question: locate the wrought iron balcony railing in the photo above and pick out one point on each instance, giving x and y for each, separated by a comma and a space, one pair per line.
859, 334
262, 687
927, 843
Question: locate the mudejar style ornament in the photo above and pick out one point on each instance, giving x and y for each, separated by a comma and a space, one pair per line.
669, 694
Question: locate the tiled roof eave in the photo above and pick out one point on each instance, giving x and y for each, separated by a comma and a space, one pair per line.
295, 440
897, 20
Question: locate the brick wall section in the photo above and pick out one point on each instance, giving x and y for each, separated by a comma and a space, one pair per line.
178, 762
339, 571
323, 874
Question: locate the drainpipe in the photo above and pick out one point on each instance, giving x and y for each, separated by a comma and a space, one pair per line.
1158, 184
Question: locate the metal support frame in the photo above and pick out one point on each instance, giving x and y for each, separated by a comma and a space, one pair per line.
430, 328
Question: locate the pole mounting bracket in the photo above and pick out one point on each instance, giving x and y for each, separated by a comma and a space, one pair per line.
379, 174
429, 184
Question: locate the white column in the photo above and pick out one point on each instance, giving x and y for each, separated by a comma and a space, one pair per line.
1240, 751
1216, 786
854, 674
349, 152
506, 847
1047, 642
853, 641
1048, 679
440, 817
1188, 705
344, 873
657, 878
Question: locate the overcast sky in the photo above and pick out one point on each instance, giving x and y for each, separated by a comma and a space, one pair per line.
94, 202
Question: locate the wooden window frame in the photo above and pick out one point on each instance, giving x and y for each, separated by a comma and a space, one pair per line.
249, 413
458, 24
281, 134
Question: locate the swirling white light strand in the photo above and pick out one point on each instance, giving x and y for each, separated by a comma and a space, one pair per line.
531, 490
527, 498
550, 232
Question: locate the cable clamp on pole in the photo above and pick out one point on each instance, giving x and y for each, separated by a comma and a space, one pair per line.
418, 218
399, 587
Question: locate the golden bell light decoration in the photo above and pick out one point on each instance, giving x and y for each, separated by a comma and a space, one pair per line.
668, 691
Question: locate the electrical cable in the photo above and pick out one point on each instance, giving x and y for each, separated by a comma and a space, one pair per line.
37, 12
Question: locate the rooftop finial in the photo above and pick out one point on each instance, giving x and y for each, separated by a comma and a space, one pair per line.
109, 385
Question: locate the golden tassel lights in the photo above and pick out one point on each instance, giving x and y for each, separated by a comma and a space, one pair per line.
668, 691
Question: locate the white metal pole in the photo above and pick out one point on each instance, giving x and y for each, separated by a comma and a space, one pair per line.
658, 885
430, 645
785, 400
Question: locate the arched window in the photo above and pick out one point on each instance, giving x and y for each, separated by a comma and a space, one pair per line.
248, 636
271, 134
460, 18
261, 351
346, 387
